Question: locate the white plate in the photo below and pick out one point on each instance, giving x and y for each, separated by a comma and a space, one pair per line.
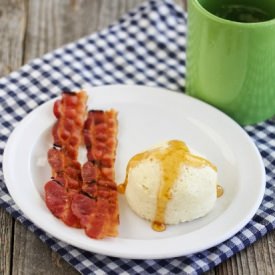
146, 116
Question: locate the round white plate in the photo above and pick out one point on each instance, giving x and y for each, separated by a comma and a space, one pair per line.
146, 116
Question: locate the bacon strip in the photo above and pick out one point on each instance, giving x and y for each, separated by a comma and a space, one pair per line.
97, 205
66, 181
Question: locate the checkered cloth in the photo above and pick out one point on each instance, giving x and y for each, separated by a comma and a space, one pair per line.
147, 46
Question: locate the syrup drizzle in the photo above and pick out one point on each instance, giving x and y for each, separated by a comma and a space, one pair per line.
219, 191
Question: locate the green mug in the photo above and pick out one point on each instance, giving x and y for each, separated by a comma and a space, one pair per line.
230, 57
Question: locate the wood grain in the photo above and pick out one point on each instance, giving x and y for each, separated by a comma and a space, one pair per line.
6, 241
12, 30
29, 29
51, 25
32, 257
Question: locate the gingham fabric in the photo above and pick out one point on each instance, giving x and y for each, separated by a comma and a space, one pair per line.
147, 46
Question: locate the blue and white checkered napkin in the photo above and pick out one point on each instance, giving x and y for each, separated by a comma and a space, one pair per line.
147, 46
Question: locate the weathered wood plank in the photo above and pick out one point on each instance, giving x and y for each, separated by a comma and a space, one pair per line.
6, 236
52, 24
12, 33
12, 30
32, 257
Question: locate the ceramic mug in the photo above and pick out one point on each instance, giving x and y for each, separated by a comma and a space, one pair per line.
231, 56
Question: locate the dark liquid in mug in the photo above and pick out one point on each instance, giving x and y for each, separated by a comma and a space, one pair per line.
244, 14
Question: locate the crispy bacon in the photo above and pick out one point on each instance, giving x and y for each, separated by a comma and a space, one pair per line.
58, 200
97, 205
70, 113
100, 132
68, 171
83, 196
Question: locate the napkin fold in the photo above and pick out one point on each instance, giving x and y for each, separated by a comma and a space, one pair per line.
146, 46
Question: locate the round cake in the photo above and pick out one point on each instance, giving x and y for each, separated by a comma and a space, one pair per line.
168, 185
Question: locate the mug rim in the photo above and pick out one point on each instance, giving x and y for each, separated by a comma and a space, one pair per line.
231, 22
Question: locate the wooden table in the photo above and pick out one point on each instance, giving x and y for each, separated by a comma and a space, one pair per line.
30, 28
